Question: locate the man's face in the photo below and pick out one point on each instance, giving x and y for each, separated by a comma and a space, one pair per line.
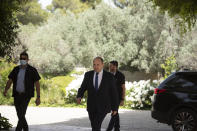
112, 68
97, 65
24, 58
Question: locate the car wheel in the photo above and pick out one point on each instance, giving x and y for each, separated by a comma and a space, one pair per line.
184, 120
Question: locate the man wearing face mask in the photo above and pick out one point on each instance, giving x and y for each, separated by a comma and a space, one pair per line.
120, 84
23, 77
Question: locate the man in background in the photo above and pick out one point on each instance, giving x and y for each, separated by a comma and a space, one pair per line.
120, 84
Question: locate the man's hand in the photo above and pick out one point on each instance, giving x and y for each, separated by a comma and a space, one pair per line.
78, 100
5, 93
114, 113
37, 83
122, 103
9, 83
37, 101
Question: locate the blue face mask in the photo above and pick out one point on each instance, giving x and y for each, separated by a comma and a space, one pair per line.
23, 62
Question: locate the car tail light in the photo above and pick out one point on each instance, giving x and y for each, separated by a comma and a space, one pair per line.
159, 91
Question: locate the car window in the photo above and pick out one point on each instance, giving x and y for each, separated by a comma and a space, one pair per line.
183, 82
163, 83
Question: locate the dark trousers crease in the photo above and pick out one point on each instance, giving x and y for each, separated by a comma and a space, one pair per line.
114, 123
21, 102
96, 120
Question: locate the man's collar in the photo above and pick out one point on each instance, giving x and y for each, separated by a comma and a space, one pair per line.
114, 73
23, 67
101, 72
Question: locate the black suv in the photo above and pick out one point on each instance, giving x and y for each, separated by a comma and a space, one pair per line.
175, 101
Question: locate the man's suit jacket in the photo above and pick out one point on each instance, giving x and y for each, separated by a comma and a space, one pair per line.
105, 99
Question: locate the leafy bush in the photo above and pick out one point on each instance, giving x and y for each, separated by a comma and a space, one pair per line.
53, 91
71, 90
5, 69
169, 66
71, 96
4, 123
139, 94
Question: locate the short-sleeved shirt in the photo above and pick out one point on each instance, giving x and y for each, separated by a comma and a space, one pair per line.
31, 76
120, 80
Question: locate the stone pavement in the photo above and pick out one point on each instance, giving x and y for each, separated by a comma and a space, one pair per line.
76, 119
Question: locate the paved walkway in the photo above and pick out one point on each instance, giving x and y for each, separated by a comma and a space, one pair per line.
76, 119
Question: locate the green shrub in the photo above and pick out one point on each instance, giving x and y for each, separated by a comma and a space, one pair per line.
169, 66
53, 91
72, 95
4, 123
61, 82
139, 94
5, 69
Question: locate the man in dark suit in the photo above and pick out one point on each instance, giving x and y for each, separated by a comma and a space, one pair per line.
120, 84
23, 77
102, 94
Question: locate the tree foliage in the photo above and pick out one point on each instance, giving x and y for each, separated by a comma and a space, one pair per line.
75, 6
8, 25
47, 50
92, 3
187, 56
131, 38
184, 9
169, 66
12, 12
31, 12
139, 37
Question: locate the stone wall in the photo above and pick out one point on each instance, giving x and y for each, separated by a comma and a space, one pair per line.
137, 76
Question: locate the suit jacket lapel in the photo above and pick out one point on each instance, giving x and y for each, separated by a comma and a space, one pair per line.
92, 79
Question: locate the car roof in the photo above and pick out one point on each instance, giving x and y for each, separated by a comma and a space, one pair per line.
191, 72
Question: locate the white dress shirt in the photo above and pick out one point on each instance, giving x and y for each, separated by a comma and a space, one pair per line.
100, 76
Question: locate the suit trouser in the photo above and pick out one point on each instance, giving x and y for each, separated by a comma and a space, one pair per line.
21, 102
96, 120
114, 122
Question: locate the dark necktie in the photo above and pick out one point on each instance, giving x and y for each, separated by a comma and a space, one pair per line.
96, 81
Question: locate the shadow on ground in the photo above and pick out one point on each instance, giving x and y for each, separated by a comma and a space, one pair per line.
130, 121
